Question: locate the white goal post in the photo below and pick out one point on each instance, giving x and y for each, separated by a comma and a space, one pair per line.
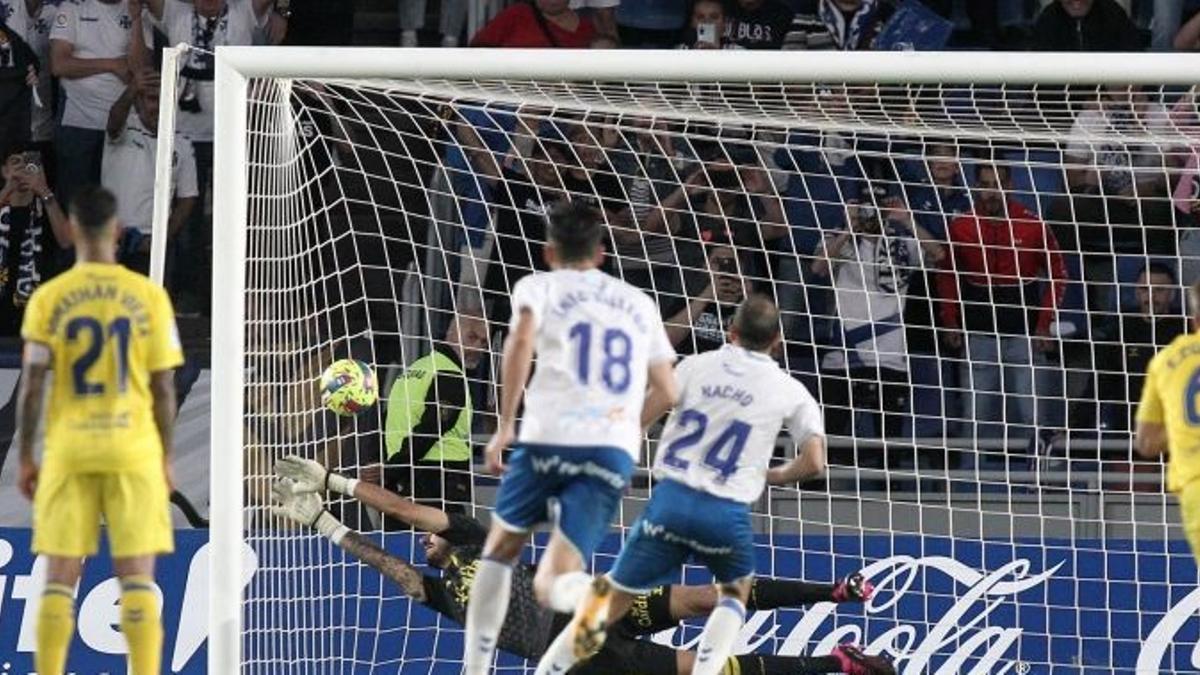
615, 82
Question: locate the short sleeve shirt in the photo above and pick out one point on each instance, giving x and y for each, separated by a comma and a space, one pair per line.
97, 31
128, 171
235, 26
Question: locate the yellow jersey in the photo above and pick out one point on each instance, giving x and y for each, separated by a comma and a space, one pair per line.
107, 329
1171, 397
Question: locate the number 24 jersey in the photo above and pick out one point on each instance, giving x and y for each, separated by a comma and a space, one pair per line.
107, 329
596, 338
733, 403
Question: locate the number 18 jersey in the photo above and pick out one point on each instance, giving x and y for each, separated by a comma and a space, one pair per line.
107, 329
733, 403
596, 338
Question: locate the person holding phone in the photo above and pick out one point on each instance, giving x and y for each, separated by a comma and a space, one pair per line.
701, 323
30, 219
707, 28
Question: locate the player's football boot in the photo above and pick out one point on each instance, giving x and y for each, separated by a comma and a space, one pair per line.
854, 588
854, 662
591, 621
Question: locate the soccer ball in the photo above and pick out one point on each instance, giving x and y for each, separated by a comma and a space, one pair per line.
348, 387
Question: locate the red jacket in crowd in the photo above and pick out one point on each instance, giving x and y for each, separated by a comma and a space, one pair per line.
518, 26
999, 258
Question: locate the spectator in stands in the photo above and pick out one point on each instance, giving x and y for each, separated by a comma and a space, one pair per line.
1119, 202
32, 227
937, 190
649, 164
427, 431
453, 14
603, 14
871, 262
1085, 26
651, 23
740, 206
31, 20
700, 321
540, 23
1004, 281
18, 73
838, 24
204, 25
1124, 346
519, 219
707, 27
1188, 37
759, 24
129, 170
90, 54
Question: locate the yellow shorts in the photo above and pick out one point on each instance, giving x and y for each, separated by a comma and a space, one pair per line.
135, 505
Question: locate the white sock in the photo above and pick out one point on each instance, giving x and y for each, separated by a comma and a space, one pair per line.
485, 615
560, 656
720, 631
567, 590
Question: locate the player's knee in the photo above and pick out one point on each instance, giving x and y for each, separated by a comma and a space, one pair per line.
503, 546
63, 570
543, 589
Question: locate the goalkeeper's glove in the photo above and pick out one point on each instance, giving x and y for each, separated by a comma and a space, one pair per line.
305, 508
307, 475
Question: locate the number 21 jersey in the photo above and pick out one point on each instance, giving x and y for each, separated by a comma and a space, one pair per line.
596, 338
107, 329
733, 403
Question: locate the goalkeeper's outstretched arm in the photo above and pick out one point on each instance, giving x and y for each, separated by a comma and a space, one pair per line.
291, 502
311, 476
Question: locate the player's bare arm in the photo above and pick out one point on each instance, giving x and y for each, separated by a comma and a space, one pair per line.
390, 566
35, 362
311, 476
1151, 439
808, 464
308, 509
662, 394
162, 386
518, 363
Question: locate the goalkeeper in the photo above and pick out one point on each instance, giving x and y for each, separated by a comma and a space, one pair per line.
454, 545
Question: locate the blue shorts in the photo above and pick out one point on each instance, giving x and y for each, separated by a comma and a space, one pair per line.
580, 486
679, 524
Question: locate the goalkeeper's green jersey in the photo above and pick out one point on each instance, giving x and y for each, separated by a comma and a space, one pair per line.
429, 409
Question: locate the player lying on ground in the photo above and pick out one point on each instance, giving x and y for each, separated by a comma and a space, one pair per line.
713, 463
454, 546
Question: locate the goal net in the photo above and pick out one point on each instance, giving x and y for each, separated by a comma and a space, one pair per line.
975, 257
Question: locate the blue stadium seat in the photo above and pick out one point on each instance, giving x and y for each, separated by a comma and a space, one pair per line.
1035, 184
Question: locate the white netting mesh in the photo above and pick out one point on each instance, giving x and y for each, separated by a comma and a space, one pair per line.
977, 375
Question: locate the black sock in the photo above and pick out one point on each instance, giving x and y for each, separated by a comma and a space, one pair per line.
769, 593
768, 664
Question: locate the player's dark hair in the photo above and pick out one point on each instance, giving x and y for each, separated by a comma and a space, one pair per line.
93, 207
575, 230
1158, 268
756, 322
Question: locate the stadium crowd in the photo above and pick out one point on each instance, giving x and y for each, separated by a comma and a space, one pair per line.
906, 267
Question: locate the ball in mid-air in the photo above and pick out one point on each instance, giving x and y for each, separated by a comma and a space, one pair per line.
348, 387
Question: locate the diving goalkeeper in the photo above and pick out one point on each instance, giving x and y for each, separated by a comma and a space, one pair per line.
454, 545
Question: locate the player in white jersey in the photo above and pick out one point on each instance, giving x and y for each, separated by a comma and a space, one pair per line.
712, 463
601, 350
